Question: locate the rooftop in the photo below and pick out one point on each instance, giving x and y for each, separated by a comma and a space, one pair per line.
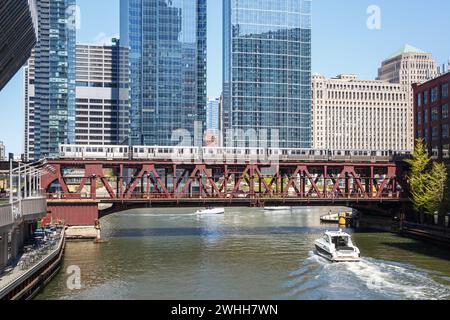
406, 49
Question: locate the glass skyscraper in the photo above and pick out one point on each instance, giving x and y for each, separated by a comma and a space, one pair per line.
267, 71
54, 83
167, 41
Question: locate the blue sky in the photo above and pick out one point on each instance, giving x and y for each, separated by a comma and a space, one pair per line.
342, 43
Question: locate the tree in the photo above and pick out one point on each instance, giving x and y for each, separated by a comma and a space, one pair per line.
427, 180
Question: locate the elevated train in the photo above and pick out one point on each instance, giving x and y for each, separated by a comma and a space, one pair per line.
219, 154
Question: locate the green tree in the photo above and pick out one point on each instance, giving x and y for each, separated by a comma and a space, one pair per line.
427, 180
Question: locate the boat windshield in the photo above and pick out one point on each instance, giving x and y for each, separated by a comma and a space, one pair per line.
340, 242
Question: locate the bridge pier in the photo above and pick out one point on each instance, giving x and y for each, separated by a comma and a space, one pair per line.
73, 213
3, 251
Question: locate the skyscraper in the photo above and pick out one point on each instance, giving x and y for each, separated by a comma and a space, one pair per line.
408, 66
54, 83
267, 71
167, 42
102, 105
102, 109
18, 34
212, 114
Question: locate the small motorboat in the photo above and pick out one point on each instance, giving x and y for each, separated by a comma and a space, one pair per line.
330, 218
211, 211
337, 247
277, 208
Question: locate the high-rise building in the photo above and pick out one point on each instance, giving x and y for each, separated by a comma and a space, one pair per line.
167, 42
54, 81
18, 35
102, 105
432, 115
213, 134
2, 151
409, 66
267, 72
212, 114
29, 96
352, 114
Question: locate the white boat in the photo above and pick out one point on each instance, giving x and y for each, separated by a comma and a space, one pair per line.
277, 208
211, 211
337, 247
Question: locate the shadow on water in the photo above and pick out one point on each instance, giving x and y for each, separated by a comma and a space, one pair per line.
419, 247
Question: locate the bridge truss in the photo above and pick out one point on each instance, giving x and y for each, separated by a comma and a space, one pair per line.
111, 181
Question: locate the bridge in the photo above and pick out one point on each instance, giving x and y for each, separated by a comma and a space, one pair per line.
76, 189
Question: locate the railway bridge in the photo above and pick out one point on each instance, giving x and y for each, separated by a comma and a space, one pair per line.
80, 191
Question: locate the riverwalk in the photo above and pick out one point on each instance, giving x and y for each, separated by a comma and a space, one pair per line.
35, 267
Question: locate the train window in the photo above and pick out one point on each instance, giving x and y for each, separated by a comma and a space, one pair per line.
69, 149
141, 150
88, 149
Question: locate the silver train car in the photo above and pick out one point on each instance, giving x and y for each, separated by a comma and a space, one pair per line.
220, 155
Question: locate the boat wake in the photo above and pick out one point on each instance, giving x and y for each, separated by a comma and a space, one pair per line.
368, 279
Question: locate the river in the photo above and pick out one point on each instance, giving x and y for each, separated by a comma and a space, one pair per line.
244, 254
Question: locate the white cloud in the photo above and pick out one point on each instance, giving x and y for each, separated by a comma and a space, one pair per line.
103, 39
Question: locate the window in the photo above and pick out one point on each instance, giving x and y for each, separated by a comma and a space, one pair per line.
434, 114
435, 133
445, 131
419, 118
434, 94
445, 90
425, 97
445, 111
425, 115
419, 99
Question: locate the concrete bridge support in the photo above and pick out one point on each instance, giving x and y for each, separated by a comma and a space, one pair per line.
17, 240
3, 250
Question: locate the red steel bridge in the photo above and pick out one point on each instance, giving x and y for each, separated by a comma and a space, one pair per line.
76, 189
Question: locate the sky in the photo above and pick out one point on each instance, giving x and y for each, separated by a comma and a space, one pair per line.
341, 43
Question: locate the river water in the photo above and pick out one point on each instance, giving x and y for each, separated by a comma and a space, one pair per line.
244, 254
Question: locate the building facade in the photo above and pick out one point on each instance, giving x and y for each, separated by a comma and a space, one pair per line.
167, 41
102, 103
102, 97
54, 81
2, 151
409, 66
352, 114
18, 36
213, 114
432, 120
267, 72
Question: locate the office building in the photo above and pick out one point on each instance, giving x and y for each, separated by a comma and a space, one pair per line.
267, 72
167, 41
409, 66
2, 151
352, 114
102, 104
54, 80
18, 35
432, 120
